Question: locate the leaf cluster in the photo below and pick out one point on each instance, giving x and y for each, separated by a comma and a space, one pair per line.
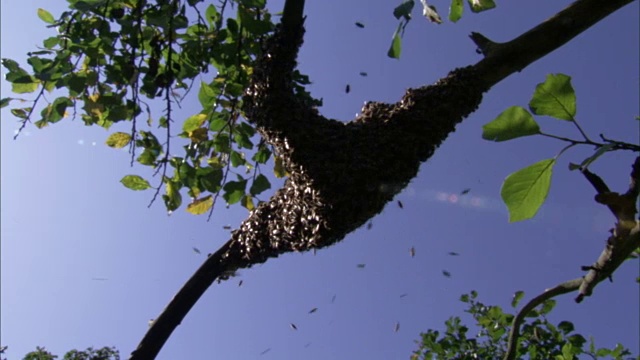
540, 338
105, 353
113, 61
525, 190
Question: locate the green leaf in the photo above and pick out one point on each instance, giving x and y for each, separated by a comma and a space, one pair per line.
247, 202
5, 102
516, 298
234, 191
481, 5
525, 190
554, 97
566, 327
455, 10
260, 184
512, 123
25, 85
236, 159
262, 155
547, 306
193, 122
404, 10
135, 182
45, 16
396, 46
212, 15
200, 206
209, 178
172, 198
207, 95
148, 157
55, 111
20, 113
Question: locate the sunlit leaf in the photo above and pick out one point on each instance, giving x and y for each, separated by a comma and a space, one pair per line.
135, 182
45, 16
516, 298
200, 206
247, 202
118, 140
555, 97
193, 122
172, 197
512, 123
396, 46
455, 10
525, 190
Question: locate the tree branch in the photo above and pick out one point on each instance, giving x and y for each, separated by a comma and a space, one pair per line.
514, 334
503, 59
624, 240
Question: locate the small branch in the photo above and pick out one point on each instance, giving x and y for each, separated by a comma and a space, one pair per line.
584, 134
514, 334
625, 237
624, 240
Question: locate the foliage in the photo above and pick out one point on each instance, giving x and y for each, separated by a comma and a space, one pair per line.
105, 353
525, 190
540, 339
113, 60
403, 12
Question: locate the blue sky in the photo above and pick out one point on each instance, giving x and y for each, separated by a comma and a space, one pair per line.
85, 263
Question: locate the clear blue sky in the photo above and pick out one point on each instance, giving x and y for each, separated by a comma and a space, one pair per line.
66, 219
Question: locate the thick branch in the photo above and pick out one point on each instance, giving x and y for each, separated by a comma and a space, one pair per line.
503, 59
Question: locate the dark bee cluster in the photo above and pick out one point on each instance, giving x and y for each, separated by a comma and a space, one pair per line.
340, 175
